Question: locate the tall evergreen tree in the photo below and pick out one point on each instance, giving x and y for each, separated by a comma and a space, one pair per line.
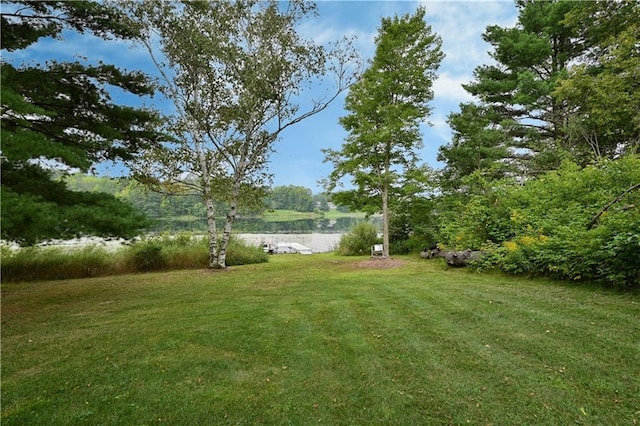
478, 144
530, 58
564, 85
59, 115
386, 108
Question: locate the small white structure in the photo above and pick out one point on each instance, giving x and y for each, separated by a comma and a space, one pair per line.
377, 250
268, 248
300, 249
292, 248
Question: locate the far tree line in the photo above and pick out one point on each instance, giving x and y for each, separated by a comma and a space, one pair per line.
156, 205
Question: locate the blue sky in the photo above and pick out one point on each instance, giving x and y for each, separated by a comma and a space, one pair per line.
298, 159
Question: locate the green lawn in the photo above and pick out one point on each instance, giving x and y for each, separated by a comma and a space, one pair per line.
289, 215
318, 339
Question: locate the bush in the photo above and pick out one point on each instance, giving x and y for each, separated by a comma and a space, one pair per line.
359, 240
239, 253
573, 224
148, 255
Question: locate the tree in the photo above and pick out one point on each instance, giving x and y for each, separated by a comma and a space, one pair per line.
59, 115
292, 197
235, 73
530, 58
564, 86
602, 92
386, 108
478, 144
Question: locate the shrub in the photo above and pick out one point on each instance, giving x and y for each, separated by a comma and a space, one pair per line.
359, 240
163, 252
572, 223
148, 255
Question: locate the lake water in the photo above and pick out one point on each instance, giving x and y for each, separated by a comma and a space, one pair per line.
258, 225
320, 235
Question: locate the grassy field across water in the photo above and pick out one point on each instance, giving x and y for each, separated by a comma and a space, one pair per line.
318, 339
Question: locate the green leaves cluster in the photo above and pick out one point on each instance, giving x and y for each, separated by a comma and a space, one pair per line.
60, 115
359, 240
572, 223
292, 197
235, 73
542, 173
564, 86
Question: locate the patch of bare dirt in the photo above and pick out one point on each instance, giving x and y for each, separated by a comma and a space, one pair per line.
381, 263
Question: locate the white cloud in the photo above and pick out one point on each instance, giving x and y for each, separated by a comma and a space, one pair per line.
448, 88
461, 24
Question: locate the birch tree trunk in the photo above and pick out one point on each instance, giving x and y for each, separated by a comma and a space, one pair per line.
212, 233
226, 234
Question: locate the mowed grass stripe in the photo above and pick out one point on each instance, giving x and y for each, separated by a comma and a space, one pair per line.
302, 340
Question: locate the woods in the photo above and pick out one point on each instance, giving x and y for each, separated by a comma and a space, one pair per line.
542, 169
540, 174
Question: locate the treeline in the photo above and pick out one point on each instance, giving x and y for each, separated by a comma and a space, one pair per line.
542, 173
155, 205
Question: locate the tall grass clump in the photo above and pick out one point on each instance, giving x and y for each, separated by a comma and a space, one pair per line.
153, 253
51, 263
359, 240
186, 251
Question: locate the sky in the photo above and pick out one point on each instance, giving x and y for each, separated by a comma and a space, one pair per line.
298, 157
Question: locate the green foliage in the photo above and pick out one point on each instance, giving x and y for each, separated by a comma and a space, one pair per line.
148, 255
291, 197
359, 240
234, 93
36, 208
386, 108
573, 223
240, 253
604, 91
61, 115
565, 86
478, 144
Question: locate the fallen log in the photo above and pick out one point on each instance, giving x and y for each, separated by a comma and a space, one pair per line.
453, 258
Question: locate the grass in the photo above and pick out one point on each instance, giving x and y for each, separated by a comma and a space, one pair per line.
159, 253
289, 215
317, 339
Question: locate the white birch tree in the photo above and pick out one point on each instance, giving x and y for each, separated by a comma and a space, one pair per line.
236, 73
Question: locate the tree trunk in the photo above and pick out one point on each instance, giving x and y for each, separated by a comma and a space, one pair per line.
212, 233
233, 210
385, 221
226, 234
